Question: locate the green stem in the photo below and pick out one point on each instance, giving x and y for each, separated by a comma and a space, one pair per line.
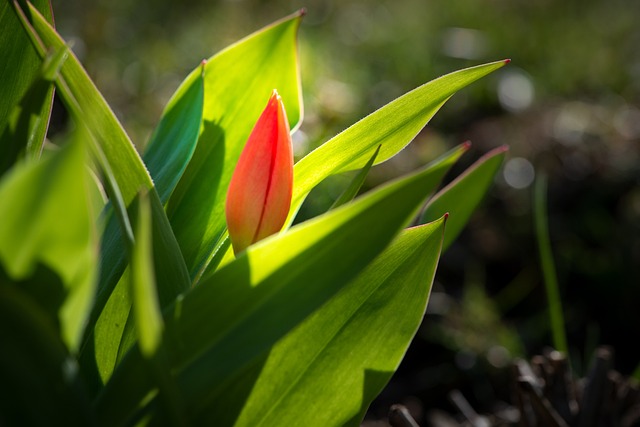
547, 264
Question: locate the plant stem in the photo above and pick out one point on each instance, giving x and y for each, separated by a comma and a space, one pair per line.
547, 264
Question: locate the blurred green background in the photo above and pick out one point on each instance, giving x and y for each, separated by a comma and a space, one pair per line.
568, 104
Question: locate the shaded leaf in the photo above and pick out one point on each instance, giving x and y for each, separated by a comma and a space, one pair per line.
46, 219
19, 69
22, 136
147, 316
174, 139
40, 385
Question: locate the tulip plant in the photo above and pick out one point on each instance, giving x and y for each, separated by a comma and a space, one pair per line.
174, 287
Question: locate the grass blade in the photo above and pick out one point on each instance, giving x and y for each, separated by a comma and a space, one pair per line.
547, 265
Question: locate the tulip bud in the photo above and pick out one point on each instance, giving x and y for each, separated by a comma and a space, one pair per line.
259, 195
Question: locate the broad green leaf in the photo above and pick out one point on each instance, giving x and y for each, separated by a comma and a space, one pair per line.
87, 104
230, 320
329, 368
392, 126
174, 140
22, 137
238, 82
463, 195
19, 68
39, 381
356, 183
115, 150
45, 208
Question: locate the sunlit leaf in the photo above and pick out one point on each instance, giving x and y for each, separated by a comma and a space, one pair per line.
438, 168
462, 196
238, 83
344, 353
234, 316
392, 126
146, 308
351, 191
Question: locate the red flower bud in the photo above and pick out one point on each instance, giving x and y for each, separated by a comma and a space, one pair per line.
259, 195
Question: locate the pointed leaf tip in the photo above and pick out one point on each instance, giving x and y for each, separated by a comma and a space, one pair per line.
506, 61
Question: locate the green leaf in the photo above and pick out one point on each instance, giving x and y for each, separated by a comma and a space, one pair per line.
47, 220
230, 320
238, 82
147, 315
19, 69
22, 135
463, 195
174, 140
356, 183
392, 126
81, 96
439, 168
146, 307
88, 106
329, 369
119, 160
40, 385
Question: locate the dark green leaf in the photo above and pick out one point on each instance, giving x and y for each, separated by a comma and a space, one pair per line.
174, 140
22, 136
19, 68
39, 381
46, 214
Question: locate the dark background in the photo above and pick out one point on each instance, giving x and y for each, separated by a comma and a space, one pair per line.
568, 105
